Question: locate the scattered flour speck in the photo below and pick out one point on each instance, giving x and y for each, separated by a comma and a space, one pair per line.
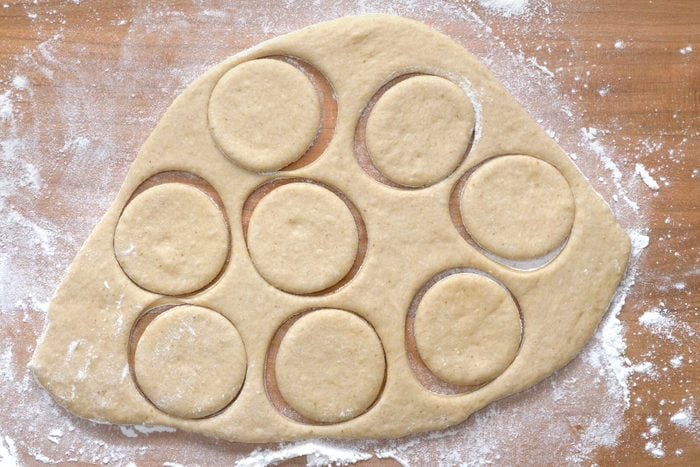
687, 50
646, 176
681, 418
506, 7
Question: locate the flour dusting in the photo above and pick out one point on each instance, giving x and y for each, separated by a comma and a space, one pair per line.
646, 176
506, 7
62, 117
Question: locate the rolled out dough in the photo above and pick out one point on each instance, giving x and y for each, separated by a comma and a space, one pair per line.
349, 374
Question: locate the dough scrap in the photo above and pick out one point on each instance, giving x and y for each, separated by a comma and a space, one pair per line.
413, 236
264, 114
419, 130
302, 238
171, 239
330, 366
190, 362
467, 329
517, 207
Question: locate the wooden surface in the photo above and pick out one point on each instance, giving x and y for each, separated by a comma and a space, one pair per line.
649, 104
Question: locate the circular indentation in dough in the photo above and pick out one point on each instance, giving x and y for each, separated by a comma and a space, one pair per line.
171, 239
467, 329
190, 362
517, 207
330, 366
264, 114
302, 238
419, 130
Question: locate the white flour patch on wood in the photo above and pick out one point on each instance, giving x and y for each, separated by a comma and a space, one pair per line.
677, 361
317, 454
646, 177
506, 7
662, 323
8, 452
655, 449
681, 418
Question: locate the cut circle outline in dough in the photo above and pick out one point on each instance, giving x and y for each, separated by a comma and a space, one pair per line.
143, 325
263, 190
327, 109
193, 185
526, 265
272, 390
361, 148
420, 370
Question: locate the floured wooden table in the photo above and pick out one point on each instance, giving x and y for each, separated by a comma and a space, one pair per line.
589, 396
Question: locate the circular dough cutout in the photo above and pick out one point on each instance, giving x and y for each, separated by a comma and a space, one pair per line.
467, 329
302, 238
171, 239
419, 130
330, 366
264, 114
517, 207
190, 362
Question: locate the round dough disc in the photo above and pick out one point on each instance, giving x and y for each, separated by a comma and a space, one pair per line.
171, 239
264, 114
190, 362
517, 207
330, 366
302, 238
419, 130
467, 329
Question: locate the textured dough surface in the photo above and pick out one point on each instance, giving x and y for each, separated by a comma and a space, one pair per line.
264, 114
517, 207
190, 362
171, 239
330, 366
419, 130
413, 237
302, 238
467, 329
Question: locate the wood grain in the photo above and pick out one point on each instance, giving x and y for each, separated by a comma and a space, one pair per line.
653, 95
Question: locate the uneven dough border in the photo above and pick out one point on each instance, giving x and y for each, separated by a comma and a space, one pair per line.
375, 48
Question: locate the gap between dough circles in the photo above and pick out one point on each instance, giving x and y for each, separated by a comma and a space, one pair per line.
344, 243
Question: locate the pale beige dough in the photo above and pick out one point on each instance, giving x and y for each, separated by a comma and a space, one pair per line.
517, 207
264, 114
297, 251
190, 362
419, 130
171, 239
330, 366
302, 238
467, 329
